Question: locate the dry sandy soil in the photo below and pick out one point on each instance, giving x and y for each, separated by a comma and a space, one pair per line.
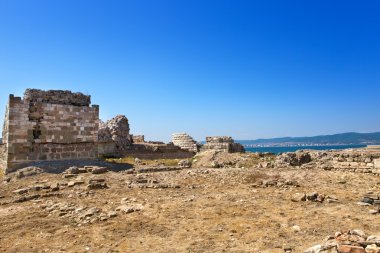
189, 210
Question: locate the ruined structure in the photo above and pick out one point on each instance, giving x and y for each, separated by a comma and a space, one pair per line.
138, 138
113, 136
184, 141
57, 125
49, 125
116, 141
222, 143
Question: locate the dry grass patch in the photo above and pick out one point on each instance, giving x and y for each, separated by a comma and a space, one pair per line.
132, 160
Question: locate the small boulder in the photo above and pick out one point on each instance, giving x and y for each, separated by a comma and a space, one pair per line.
373, 248
21, 191
358, 233
374, 239
314, 249
350, 249
72, 170
129, 208
298, 197
184, 163
99, 170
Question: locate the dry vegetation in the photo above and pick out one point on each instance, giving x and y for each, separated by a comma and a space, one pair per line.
156, 162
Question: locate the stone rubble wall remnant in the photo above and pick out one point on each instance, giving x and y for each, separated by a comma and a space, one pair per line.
351, 241
114, 137
222, 143
360, 161
138, 138
184, 141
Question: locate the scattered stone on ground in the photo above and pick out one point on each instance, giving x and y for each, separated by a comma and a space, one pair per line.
353, 241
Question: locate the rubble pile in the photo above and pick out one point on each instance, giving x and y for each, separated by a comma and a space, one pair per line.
313, 197
372, 200
293, 159
353, 241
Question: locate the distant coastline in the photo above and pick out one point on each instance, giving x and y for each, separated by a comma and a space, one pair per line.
284, 149
316, 141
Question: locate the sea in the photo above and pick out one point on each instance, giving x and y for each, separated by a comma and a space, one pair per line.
278, 150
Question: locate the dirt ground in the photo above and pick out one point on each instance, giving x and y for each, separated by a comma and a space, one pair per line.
188, 210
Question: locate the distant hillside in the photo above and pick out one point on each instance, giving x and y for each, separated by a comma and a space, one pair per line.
335, 139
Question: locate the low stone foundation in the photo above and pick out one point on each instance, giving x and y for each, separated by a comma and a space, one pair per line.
54, 151
222, 143
366, 161
158, 151
357, 162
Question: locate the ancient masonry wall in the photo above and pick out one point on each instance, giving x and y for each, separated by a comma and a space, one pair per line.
357, 162
49, 125
184, 141
138, 138
158, 151
3, 156
222, 143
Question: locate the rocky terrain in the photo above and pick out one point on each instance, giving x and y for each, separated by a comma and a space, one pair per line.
215, 202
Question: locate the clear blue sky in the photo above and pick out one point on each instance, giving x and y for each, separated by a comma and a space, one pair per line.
249, 69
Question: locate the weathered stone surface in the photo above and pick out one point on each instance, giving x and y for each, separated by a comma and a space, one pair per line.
376, 163
222, 143
99, 170
64, 97
49, 125
119, 128
374, 239
350, 249
104, 133
21, 191
373, 248
138, 138
297, 197
184, 141
352, 241
314, 249
72, 170
129, 208
184, 163
115, 131
293, 159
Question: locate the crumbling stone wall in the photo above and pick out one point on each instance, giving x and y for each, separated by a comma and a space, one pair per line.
365, 162
138, 138
50, 125
113, 136
184, 141
158, 151
222, 143
3, 157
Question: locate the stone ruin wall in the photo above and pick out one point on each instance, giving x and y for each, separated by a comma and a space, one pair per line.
138, 138
356, 162
3, 156
116, 141
50, 125
359, 161
223, 144
185, 142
